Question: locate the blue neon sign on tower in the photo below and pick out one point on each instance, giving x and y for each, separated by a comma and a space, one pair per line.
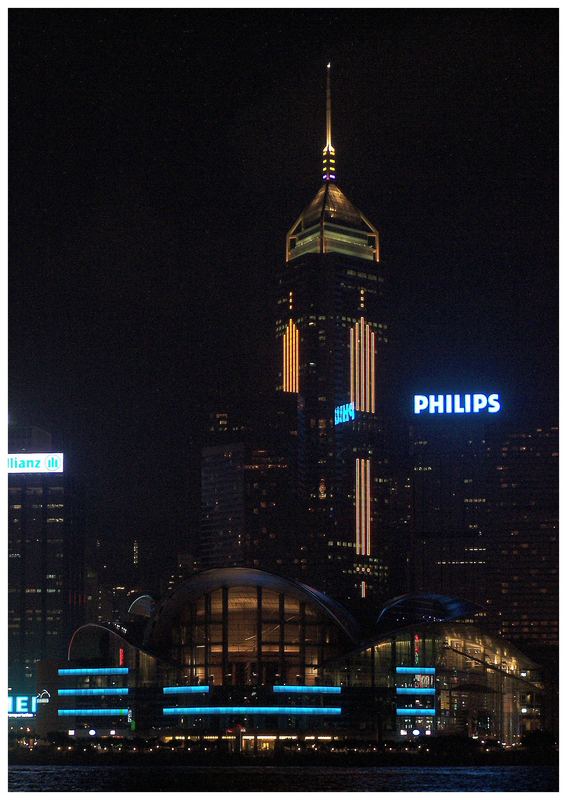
344, 413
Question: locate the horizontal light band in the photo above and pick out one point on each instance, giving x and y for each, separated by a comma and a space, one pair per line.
184, 689
415, 712
307, 689
412, 690
94, 671
92, 712
81, 692
248, 710
415, 670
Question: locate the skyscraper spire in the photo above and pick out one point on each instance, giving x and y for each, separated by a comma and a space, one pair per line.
329, 150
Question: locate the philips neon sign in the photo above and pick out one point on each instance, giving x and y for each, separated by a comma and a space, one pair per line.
22, 706
344, 413
35, 462
456, 403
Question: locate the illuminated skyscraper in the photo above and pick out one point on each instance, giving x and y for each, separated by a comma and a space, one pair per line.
331, 332
46, 598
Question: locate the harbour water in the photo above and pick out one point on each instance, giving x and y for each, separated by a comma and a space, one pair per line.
287, 779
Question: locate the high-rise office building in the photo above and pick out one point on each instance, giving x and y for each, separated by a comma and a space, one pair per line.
484, 523
451, 551
46, 599
524, 511
245, 504
331, 333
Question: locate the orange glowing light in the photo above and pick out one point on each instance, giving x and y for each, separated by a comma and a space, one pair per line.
291, 358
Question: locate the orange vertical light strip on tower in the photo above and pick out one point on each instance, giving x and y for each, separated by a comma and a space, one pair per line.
295, 359
362, 376
373, 371
363, 589
368, 499
284, 375
367, 365
357, 506
288, 353
356, 370
290, 357
363, 504
352, 397
361, 362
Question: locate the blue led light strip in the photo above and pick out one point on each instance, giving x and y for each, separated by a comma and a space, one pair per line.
411, 690
94, 671
248, 710
184, 689
415, 670
415, 712
81, 692
92, 712
307, 689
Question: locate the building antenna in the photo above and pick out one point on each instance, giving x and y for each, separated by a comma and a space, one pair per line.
329, 150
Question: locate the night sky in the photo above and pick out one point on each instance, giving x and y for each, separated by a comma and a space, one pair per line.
157, 159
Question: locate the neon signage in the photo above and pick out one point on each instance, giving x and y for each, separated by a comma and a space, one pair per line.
22, 705
344, 413
456, 403
35, 462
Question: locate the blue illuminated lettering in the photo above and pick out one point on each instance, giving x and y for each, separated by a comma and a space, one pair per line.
22, 705
344, 413
455, 403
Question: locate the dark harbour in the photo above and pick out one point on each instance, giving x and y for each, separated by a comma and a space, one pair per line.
540, 778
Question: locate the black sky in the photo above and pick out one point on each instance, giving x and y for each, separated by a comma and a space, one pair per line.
157, 159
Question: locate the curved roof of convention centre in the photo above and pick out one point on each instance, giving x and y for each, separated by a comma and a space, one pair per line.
424, 607
188, 591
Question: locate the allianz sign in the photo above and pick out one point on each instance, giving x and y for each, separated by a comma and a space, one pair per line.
35, 462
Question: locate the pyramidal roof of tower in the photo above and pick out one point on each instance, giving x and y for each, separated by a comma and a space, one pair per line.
330, 204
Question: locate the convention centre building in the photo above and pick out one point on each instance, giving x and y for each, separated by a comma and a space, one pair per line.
256, 660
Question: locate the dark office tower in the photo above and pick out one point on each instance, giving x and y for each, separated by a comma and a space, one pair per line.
330, 332
451, 549
524, 521
243, 492
46, 598
222, 506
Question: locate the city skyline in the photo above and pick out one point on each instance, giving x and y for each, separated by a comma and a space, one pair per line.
144, 295
283, 432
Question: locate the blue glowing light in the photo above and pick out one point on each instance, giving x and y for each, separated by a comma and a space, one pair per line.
99, 692
35, 462
184, 689
415, 670
248, 710
456, 403
94, 671
412, 690
92, 712
415, 712
22, 705
344, 413
308, 689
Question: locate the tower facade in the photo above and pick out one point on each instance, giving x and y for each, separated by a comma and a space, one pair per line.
46, 600
331, 332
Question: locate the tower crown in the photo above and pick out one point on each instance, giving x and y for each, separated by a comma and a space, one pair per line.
331, 223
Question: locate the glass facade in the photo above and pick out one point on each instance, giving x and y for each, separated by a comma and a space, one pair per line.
245, 635
448, 678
